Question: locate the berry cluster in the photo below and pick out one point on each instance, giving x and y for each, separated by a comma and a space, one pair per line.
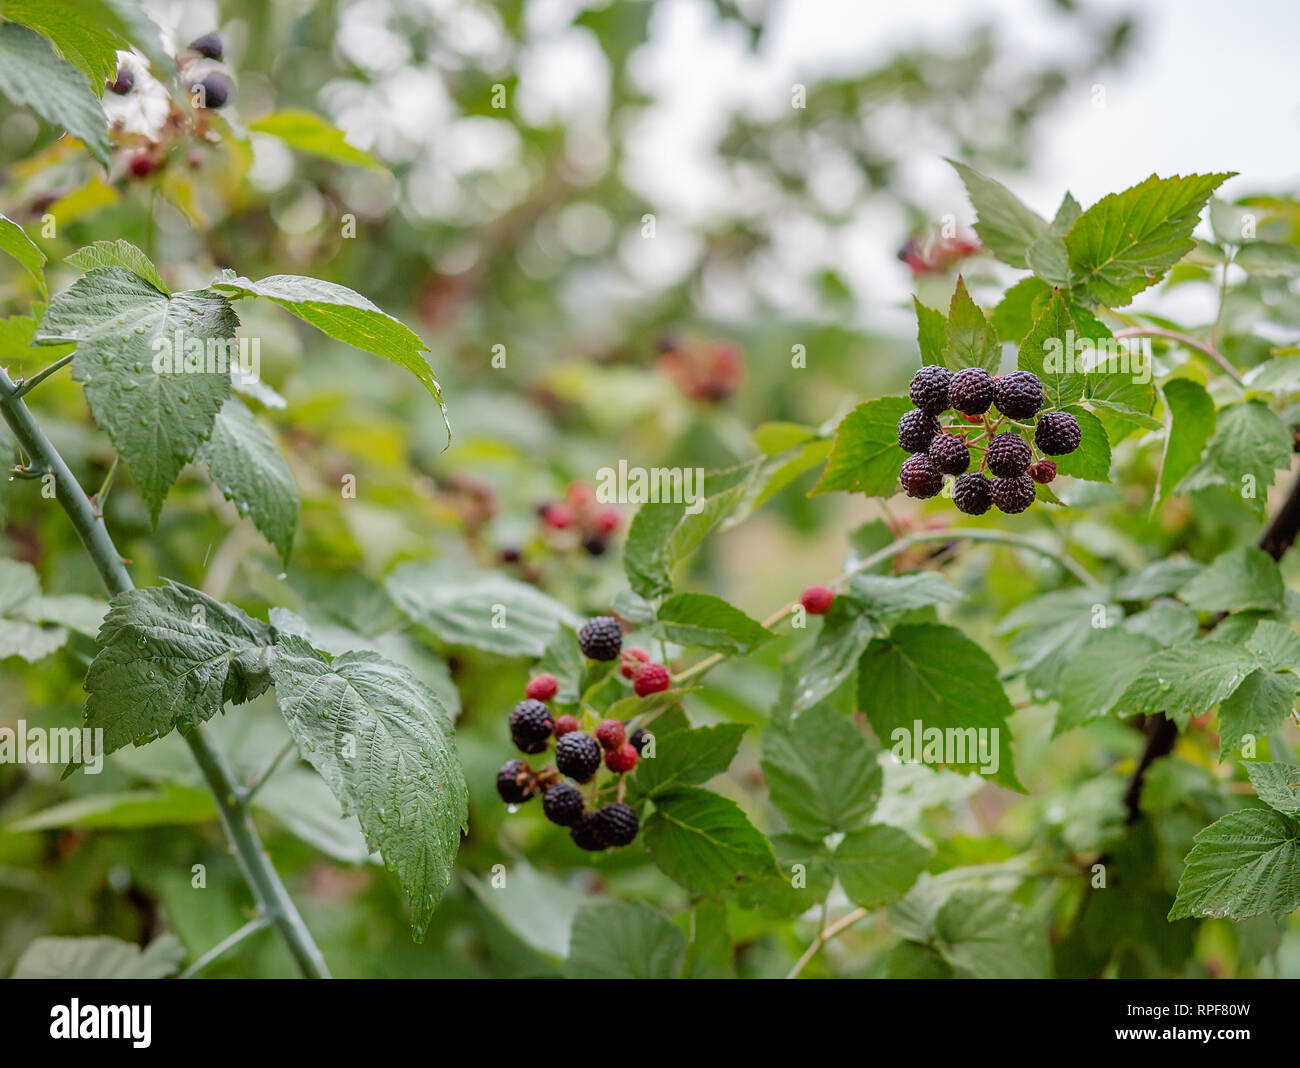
1014, 465
707, 371
579, 754
580, 512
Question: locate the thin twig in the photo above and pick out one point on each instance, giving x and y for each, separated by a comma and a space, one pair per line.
228, 943
260, 781
1184, 339
824, 936
26, 385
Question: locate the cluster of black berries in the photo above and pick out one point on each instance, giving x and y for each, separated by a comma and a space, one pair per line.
578, 755
939, 450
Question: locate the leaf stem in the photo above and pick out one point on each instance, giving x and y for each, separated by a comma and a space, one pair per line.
824, 936
1202, 347
263, 880
26, 385
260, 781
258, 923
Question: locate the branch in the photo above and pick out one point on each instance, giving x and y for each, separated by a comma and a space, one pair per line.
262, 878
225, 946
1185, 339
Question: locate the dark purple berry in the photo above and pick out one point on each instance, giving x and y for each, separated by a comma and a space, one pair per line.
949, 454
595, 544
919, 477
1042, 472
1018, 395
971, 391
124, 82
1057, 433
617, 824
1012, 495
208, 46
563, 804
531, 725
929, 390
916, 429
586, 833
1009, 455
600, 638
971, 494
577, 755
639, 739
515, 782
212, 92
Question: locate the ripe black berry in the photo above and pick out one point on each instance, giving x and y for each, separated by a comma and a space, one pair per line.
531, 726
600, 638
586, 833
1012, 495
929, 391
916, 429
919, 477
971, 391
970, 494
212, 92
563, 804
1018, 395
1043, 471
124, 82
949, 454
1009, 455
208, 46
577, 755
595, 544
638, 740
515, 782
1057, 433
617, 824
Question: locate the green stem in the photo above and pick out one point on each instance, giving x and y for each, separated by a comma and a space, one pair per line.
263, 880
225, 946
28, 384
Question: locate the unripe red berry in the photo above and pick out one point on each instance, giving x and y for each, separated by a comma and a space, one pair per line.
651, 678
566, 724
817, 599
542, 687
622, 759
141, 165
611, 733
631, 658
558, 516
608, 520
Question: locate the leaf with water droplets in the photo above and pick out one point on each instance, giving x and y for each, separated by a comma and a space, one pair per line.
1187, 680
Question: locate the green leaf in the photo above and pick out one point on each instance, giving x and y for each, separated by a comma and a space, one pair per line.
1269, 258
1191, 422
314, 135
931, 333
663, 534
1249, 444
821, 773
117, 253
21, 635
1085, 693
1014, 316
1156, 579
537, 908
33, 76
121, 324
15, 242
686, 757
1260, 705
85, 42
1278, 645
709, 954
845, 633
1004, 224
704, 842
165, 805
884, 595
170, 656
1126, 241
985, 936
708, 622
1187, 680
971, 339
1246, 864
624, 940
865, 456
563, 659
482, 609
244, 463
384, 744
1277, 785
1091, 460
1049, 352
935, 675
346, 316
878, 864
1240, 578
99, 958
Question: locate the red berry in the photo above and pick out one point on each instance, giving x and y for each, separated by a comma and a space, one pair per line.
638, 656
542, 688
565, 724
558, 516
651, 678
579, 494
611, 733
141, 165
607, 522
817, 600
622, 759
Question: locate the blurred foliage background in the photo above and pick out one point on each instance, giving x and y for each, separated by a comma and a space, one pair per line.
578, 314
